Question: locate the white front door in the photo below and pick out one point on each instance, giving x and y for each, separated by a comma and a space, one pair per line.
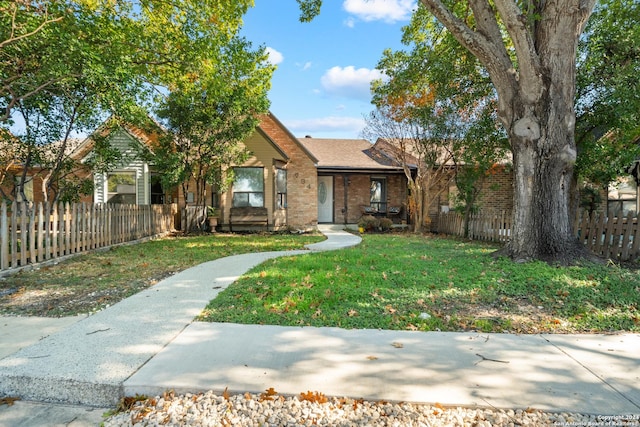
325, 199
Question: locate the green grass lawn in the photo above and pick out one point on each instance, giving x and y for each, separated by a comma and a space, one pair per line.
90, 282
408, 282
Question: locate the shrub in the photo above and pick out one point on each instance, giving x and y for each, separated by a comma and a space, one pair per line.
386, 224
369, 222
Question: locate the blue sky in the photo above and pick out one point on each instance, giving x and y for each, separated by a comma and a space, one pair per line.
321, 85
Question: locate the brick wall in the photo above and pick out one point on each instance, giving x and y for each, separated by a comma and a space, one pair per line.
359, 194
302, 179
497, 191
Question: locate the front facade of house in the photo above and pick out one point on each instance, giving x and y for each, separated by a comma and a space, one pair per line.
279, 176
353, 180
297, 182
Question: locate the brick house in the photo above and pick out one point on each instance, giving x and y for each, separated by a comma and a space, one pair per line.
279, 177
355, 178
294, 183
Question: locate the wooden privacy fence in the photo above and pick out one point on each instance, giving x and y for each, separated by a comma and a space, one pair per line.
612, 238
31, 233
489, 226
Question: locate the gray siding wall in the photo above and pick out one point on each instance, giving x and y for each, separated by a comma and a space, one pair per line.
124, 142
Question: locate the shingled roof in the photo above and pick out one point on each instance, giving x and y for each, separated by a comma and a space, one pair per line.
348, 154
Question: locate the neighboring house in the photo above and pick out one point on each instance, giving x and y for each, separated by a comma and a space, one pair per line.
12, 169
622, 195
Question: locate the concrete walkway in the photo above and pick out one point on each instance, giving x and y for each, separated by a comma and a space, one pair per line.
88, 360
149, 343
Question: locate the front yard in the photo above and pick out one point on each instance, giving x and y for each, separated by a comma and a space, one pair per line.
425, 283
91, 282
390, 281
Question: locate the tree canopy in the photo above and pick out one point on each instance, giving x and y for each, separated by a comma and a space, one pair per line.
67, 65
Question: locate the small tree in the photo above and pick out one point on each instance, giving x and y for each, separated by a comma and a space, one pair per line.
209, 112
424, 160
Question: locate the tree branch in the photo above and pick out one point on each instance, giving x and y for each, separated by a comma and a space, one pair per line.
13, 39
486, 44
528, 61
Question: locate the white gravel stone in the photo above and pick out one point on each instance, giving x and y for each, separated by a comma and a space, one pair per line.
209, 409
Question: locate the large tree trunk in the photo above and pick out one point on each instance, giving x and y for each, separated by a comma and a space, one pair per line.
543, 169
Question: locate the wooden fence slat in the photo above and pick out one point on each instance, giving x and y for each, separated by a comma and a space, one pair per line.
14, 234
626, 238
4, 237
615, 238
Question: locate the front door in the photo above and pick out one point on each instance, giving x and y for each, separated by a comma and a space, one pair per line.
325, 199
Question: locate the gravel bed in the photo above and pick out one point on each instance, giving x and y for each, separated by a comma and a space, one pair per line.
314, 409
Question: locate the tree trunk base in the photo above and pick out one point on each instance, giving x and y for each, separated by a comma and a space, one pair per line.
573, 254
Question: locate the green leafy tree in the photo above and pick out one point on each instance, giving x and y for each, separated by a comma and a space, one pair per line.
68, 65
529, 51
608, 96
208, 113
454, 110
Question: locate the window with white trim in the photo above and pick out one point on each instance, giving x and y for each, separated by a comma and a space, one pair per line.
622, 197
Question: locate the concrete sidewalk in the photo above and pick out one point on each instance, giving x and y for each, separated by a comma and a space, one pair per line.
590, 374
88, 360
148, 343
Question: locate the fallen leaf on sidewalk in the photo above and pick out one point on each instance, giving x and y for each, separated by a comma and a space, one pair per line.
397, 345
372, 358
9, 401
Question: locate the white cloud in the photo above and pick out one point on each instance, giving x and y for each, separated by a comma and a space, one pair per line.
275, 57
350, 22
349, 82
330, 124
380, 10
304, 66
